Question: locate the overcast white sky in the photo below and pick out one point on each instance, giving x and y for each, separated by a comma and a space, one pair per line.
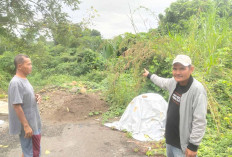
114, 15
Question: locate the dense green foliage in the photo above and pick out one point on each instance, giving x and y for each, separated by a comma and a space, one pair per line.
198, 28
34, 17
177, 16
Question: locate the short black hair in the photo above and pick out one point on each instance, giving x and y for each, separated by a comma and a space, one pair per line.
19, 59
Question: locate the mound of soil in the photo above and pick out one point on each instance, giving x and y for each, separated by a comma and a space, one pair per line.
65, 106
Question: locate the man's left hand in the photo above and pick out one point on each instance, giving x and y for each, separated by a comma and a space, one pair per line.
189, 153
38, 98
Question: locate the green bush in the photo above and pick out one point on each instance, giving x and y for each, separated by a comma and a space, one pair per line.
79, 64
7, 62
95, 76
121, 91
7, 69
216, 145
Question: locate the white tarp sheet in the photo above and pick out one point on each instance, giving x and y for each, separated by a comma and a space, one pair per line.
1, 122
144, 117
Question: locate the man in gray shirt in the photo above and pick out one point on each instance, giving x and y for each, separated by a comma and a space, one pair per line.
24, 118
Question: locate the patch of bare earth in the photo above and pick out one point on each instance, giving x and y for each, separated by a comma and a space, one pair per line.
62, 106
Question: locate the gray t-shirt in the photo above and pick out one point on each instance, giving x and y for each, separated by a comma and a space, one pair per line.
21, 92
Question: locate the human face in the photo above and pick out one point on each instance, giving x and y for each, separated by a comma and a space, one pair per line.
26, 67
182, 73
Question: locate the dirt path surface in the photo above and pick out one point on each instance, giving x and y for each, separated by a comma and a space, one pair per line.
69, 131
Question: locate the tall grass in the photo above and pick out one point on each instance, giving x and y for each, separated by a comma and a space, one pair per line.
125, 80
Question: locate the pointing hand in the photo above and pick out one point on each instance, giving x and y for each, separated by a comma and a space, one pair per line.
145, 72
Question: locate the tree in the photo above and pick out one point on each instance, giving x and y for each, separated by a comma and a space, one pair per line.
27, 18
177, 15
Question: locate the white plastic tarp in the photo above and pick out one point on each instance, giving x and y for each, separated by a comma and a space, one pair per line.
1, 122
144, 117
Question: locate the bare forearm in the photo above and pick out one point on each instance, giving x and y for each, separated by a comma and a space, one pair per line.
27, 129
19, 111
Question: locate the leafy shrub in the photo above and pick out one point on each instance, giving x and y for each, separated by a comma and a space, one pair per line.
214, 145
96, 76
7, 62
7, 69
81, 63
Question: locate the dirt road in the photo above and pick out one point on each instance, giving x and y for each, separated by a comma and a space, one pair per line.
69, 131
82, 139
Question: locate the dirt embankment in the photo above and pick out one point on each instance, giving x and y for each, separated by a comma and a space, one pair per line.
63, 106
